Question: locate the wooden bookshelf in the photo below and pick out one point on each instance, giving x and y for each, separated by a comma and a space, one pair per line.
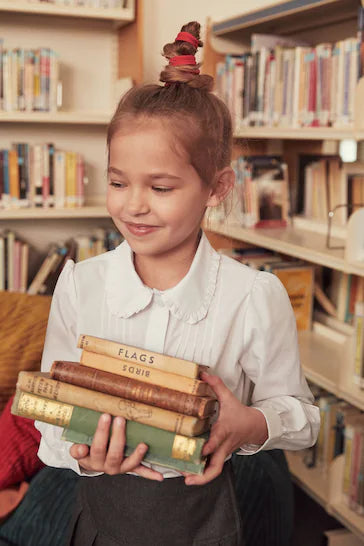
95, 48
326, 353
119, 16
324, 486
294, 242
312, 480
289, 17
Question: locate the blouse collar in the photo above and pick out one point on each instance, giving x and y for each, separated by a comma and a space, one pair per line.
189, 300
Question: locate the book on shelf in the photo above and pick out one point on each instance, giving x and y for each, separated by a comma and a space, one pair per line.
345, 290
136, 355
261, 195
41, 384
291, 83
40, 175
81, 423
30, 79
117, 385
13, 263
358, 342
298, 279
146, 373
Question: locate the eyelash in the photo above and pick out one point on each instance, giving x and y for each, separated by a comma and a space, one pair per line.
155, 188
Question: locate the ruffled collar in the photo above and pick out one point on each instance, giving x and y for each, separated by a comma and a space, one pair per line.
189, 300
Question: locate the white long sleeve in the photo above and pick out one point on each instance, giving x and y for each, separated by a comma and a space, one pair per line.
222, 314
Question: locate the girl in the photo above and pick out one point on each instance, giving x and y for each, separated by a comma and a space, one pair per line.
165, 289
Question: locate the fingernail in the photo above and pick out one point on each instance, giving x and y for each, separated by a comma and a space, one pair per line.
118, 421
80, 450
105, 418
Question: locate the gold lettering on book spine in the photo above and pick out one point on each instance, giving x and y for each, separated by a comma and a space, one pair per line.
48, 410
183, 448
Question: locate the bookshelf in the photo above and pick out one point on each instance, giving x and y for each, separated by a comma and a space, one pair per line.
119, 16
326, 353
96, 47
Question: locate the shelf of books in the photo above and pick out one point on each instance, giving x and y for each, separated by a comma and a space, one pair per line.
122, 14
289, 240
59, 117
312, 480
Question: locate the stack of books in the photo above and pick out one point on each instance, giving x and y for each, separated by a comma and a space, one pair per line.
165, 403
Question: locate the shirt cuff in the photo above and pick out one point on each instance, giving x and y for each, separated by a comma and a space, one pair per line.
274, 426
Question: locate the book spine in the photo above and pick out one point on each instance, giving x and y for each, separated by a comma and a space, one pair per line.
143, 373
148, 415
127, 353
160, 442
117, 385
75, 437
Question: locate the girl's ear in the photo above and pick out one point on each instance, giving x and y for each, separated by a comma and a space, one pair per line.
224, 184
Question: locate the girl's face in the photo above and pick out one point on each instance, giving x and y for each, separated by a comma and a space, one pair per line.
155, 197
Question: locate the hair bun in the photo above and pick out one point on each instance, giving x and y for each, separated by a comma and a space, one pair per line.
185, 73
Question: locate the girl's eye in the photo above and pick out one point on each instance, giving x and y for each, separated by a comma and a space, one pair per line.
161, 189
116, 184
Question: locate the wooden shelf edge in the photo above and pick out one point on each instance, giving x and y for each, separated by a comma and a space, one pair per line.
53, 213
119, 16
60, 117
286, 244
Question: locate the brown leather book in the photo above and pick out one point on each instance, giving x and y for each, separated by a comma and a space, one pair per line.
132, 389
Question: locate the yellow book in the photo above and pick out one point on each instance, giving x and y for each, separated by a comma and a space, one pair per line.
150, 359
146, 374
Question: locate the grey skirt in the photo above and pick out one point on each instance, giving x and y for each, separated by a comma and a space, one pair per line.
129, 510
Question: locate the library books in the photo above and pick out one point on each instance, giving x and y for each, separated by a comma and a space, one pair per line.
326, 182
14, 263
40, 175
292, 85
29, 79
79, 425
261, 196
41, 384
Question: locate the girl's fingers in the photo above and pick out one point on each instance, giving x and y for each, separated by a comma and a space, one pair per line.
148, 473
79, 451
115, 453
134, 460
217, 385
213, 470
99, 442
216, 439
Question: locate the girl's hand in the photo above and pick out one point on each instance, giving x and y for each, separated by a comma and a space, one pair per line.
111, 460
236, 425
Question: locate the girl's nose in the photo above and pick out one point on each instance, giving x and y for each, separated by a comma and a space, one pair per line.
137, 203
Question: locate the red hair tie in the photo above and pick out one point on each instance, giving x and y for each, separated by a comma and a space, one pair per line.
180, 60
187, 37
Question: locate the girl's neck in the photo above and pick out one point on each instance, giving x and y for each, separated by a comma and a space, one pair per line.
166, 271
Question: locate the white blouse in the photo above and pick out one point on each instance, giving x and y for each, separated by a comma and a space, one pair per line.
237, 320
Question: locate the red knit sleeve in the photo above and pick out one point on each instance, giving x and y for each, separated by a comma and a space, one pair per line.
19, 442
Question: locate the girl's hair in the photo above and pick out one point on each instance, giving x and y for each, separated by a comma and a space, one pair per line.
197, 118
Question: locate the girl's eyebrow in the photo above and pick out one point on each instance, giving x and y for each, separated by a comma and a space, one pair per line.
154, 176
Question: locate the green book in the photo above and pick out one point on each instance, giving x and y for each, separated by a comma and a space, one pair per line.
176, 464
161, 443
